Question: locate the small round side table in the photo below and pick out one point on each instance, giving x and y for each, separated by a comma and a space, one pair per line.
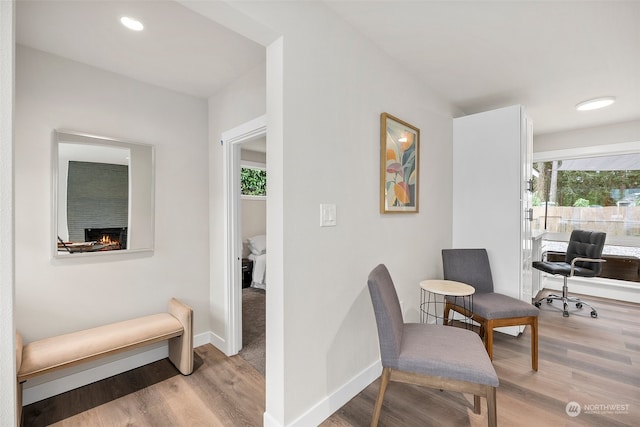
433, 295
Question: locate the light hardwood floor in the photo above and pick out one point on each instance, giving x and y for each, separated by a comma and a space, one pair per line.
593, 362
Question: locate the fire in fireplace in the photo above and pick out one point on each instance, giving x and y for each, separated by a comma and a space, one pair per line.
113, 237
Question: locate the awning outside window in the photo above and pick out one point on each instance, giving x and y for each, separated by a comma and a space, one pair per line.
619, 162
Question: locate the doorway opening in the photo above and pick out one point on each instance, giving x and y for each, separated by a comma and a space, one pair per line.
249, 133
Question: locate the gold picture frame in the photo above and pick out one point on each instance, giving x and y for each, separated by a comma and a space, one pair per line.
399, 165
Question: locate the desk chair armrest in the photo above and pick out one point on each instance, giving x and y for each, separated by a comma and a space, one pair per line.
573, 262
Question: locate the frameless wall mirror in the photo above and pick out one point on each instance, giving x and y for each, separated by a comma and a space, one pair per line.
103, 195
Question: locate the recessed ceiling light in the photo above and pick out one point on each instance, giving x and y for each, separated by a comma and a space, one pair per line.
131, 23
594, 104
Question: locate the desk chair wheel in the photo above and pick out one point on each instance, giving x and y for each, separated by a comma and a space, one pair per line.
565, 313
578, 305
594, 314
537, 303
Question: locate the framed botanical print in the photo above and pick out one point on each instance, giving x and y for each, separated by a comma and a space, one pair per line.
399, 160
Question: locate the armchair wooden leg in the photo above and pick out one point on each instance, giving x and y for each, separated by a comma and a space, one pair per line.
483, 330
476, 404
534, 343
488, 338
491, 407
384, 381
445, 315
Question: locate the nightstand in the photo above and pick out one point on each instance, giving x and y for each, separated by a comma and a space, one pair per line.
247, 272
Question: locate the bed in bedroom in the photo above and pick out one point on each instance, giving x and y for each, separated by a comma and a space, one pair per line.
257, 246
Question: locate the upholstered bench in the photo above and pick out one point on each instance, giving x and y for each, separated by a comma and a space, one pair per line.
55, 353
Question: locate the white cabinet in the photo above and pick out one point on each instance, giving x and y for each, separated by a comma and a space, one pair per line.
491, 194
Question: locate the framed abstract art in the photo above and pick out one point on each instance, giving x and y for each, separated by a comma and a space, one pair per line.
399, 160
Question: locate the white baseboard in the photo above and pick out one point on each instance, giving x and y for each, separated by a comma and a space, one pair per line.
217, 341
597, 286
269, 421
53, 384
331, 403
59, 382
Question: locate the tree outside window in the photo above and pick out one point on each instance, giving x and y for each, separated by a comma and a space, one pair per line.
597, 193
253, 182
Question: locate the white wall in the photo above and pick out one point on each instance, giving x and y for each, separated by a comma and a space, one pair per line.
336, 84
599, 135
254, 220
241, 101
7, 329
57, 296
250, 155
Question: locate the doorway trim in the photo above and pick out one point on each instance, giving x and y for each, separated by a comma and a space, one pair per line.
231, 141
9, 407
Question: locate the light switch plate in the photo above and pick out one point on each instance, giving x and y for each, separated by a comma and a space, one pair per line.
328, 215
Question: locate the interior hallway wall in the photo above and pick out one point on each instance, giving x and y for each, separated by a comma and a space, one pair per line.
8, 411
240, 102
58, 296
336, 84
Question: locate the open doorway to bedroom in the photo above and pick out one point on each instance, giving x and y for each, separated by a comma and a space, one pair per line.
245, 236
253, 226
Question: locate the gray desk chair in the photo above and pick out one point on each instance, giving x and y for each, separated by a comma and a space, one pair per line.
434, 356
490, 309
583, 258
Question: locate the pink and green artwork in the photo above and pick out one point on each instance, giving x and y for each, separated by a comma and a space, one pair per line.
399, 154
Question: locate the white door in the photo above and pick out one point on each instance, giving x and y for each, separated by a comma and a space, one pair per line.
527, 195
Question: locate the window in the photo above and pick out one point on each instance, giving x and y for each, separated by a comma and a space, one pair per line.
253, 180
595, 193
597, 188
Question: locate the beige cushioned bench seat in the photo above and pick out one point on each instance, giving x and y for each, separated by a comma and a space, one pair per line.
62, 351
51, 354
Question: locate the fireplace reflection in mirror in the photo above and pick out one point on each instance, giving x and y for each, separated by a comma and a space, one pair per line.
103, 192
97, 239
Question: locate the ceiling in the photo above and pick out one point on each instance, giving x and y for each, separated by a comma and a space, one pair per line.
178, 48
545, 55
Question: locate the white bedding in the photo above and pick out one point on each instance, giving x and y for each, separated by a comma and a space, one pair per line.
258, 280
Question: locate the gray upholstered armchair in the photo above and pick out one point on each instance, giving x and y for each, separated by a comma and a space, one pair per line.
490, 309
435, 356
